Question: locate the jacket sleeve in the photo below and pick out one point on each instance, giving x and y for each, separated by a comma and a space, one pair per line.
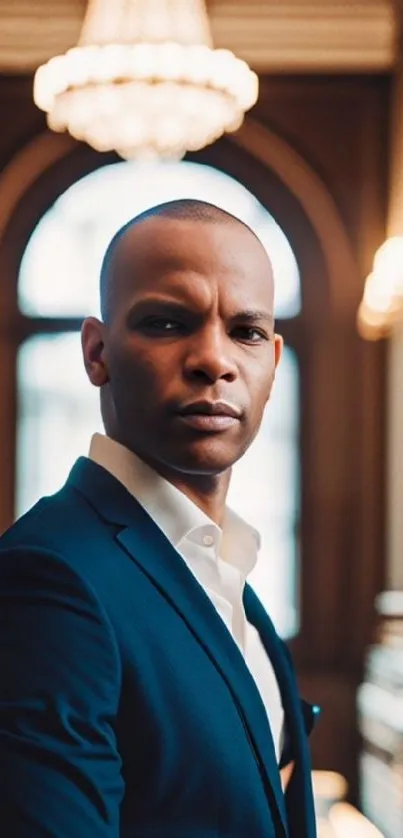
60, 771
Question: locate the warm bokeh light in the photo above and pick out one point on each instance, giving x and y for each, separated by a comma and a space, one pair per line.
329, 785
382, 304
347, 822
388, 262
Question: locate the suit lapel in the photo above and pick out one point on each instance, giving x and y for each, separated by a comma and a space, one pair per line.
140, 537
300, 797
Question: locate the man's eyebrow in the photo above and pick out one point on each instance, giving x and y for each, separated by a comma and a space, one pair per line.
169, 306
252, 316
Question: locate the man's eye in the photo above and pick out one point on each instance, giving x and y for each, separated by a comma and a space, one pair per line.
249, 334
162, 325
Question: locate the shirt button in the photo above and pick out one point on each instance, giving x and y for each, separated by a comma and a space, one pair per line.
208, 540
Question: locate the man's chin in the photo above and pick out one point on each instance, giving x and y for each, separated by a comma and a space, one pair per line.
207, 457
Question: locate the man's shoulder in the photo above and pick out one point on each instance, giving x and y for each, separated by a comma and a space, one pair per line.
49, 524
61, 534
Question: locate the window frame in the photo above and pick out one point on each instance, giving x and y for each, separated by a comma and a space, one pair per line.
320, 335
37, 325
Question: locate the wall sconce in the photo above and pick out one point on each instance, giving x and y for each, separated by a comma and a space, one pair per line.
381, 308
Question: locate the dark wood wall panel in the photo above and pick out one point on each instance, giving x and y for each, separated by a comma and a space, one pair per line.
340, 125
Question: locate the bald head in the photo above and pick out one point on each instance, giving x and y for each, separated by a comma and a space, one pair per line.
187, 304
181, 210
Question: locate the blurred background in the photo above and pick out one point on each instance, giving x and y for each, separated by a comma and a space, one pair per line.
316, 169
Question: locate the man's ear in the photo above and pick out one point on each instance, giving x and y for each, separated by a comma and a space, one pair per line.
278, 348
93, 347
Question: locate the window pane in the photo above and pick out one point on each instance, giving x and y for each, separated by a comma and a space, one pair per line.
60, 268
59, 411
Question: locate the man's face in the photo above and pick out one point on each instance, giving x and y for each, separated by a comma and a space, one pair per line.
189, 349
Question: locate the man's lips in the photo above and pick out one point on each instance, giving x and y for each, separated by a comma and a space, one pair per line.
207, 422
210, 408
209, 416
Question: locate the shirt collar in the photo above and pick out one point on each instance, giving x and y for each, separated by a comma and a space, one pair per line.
174, 513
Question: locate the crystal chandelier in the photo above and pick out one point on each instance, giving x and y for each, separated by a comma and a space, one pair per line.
381, 308
145, 81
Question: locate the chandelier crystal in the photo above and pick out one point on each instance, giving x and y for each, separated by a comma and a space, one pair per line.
145, 81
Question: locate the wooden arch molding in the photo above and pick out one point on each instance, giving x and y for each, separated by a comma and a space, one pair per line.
48, 151
318, 205
257, 157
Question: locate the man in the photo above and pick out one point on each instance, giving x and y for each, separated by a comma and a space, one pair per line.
144, 691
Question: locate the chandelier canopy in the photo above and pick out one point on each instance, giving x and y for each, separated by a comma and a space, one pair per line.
145, 81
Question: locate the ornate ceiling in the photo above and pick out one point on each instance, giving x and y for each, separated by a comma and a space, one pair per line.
272, 35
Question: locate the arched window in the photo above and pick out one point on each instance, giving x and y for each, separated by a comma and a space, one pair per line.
58, 409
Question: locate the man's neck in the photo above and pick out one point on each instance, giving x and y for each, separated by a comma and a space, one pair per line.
208, 492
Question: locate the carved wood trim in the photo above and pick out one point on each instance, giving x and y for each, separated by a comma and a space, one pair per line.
298, 36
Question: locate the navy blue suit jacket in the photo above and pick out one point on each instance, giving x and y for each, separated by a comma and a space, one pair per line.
126, 708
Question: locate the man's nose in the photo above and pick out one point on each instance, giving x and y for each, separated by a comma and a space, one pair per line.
210, 357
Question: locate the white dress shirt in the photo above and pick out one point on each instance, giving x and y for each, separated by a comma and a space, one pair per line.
220, 559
